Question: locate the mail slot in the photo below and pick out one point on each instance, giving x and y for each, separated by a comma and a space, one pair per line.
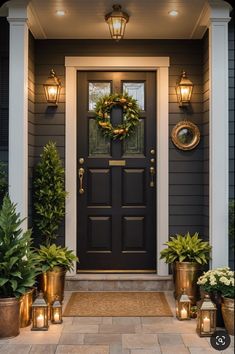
117, 162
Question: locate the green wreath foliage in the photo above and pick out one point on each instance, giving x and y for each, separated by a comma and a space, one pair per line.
131, 112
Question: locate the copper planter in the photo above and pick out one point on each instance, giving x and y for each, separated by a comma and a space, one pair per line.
54, 284
26, 308
9, 317
228, 314
185, 276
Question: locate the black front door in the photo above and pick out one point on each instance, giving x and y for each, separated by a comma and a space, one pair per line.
117, 210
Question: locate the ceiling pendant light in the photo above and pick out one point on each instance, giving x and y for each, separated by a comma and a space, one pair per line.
117, 20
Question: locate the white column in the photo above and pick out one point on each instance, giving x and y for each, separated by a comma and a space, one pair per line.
18, 110
219, 138
162, 165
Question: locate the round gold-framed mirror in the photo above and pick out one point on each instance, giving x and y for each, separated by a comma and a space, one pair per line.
185, 135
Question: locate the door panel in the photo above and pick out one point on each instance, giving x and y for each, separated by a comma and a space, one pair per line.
117, 211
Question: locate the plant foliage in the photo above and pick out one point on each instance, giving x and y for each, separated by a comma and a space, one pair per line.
220, 279
56, 256
18, 264
3, 181
231, 222
49, 194
186, 249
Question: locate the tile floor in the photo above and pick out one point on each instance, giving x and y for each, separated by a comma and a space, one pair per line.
117, 335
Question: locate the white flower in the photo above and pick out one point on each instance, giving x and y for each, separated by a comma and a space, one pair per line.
24, 258
213, 282
202, 281
224, 280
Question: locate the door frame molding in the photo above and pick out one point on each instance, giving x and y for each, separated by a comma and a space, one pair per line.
161, 66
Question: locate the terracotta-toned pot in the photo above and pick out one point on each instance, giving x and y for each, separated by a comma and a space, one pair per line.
185, 275
228, 314
9, 317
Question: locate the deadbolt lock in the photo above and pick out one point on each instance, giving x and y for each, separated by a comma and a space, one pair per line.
152, 152
81, 160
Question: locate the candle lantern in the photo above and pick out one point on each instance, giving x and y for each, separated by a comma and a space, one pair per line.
40, 314
184, 89
56, 312
206, 318
183, 306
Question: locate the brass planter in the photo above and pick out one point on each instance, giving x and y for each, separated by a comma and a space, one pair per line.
228, 314
26, 308
9, 317
55, 280
185, 275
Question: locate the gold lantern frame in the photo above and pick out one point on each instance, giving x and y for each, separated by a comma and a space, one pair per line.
117, 20
40, 314
52, 88
56, 312
206, 318
184, 90
183, 307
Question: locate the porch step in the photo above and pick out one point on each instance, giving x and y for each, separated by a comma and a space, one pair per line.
118, 282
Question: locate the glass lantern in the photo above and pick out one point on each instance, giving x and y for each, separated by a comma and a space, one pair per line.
184, 90
56, 312
52, 88
40, 314
183, 307
206, 318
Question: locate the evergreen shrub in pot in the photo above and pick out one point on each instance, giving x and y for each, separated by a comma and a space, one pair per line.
49, 211
18, 268
187, 254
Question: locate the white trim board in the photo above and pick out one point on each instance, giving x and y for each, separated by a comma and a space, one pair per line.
158, 64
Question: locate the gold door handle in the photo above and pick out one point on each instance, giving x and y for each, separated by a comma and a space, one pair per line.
152, 174
81, 172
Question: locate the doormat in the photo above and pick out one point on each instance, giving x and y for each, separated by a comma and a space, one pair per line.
117, 304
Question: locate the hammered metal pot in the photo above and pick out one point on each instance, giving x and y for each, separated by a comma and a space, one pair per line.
26, 302
55, 280
185, 275
228, 314
9, 317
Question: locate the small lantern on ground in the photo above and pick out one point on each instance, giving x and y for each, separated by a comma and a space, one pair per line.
184, 90
206, 318
56, 312
183, 307
40, 314
52, 88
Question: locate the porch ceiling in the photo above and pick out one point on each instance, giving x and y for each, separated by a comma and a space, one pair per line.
149, 19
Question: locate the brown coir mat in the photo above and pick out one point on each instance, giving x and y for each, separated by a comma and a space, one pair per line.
117, 304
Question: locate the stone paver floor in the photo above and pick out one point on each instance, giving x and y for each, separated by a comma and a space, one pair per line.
117, 335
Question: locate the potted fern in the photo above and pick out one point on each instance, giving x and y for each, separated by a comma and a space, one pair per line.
18, 268
49, 211
187, 254
56, 261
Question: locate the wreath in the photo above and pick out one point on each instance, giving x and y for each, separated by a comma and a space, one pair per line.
131, 112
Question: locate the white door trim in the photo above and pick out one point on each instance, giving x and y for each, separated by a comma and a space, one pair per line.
161, 66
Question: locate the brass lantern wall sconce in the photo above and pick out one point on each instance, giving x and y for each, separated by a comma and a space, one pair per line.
117, 20
52, 89
184, 90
